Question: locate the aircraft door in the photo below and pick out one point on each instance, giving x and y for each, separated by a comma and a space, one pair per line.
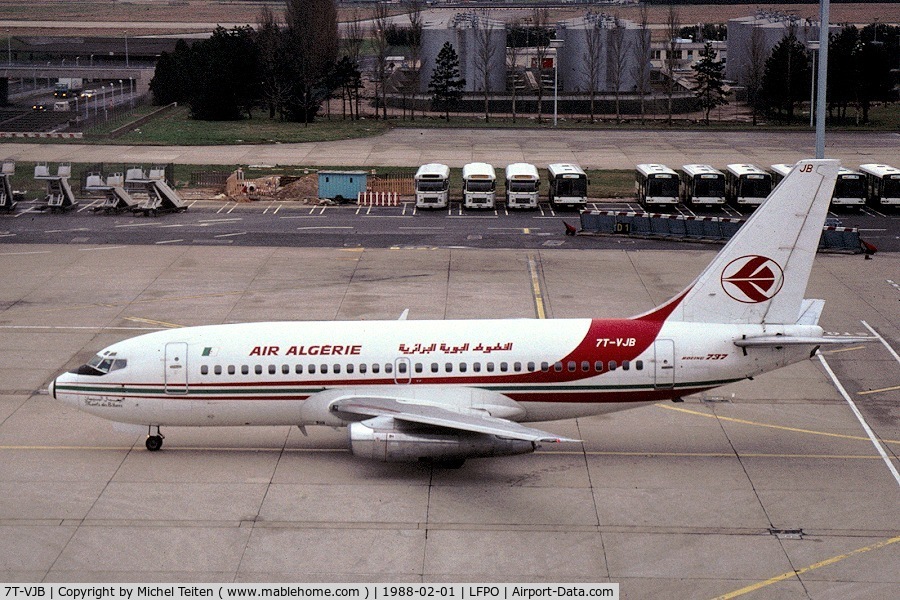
664, 369
176, 371
402, 368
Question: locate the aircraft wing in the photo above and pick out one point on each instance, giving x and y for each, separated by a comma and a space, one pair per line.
430, 414
771, 341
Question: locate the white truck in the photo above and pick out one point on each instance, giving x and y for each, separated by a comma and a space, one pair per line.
479, 185
432, 186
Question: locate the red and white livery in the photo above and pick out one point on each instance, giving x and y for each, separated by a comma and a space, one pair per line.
450, 390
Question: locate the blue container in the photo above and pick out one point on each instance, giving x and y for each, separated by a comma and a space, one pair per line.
341, 184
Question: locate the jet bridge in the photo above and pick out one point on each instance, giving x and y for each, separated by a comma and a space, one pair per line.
117, 199
7, 197
59, 194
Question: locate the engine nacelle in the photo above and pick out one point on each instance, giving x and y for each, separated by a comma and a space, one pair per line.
387, 440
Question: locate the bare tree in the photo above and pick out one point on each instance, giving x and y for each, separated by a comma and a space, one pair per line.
756, 68
275, 87
593, 38
540, 23
485, 49
380, 16
416, 24
512, 60
673, 26
619, 47
642, 52
352, 41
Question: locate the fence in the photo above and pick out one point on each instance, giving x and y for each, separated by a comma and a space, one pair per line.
694, 229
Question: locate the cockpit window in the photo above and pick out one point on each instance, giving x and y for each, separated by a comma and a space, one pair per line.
103, 363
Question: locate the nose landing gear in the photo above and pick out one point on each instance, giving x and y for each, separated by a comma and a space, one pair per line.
154, 441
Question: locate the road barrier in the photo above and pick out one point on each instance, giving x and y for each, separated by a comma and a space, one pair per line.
696, 229
378, 199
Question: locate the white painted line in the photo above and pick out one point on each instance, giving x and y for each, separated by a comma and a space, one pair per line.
79, 328
882, 340
859, 417
148, 224
24, 253
324, 227
8, 234
83, 208
230, 234
169, 242
101, 248
24, 212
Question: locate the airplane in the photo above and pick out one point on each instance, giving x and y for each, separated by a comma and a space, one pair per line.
445, 391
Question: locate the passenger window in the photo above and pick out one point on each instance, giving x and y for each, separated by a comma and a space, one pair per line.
388, 368
557, 367
401, 366
531, 367
545, 367
517, 367
298, 369
639, 365
504, 367
323, 368
612, 365
434, 367
231, 369
598, 366
571, 366
375, 368
448, 367
272, 369
350, 368
217, 369
286, 369
476, 367
204, 370
311, 369
245, 370
337, 368
362, 368
585, 366
462, 367
418, 367
626, 365
258, 369
490, 367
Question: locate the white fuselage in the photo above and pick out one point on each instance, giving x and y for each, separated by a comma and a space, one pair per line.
261, 373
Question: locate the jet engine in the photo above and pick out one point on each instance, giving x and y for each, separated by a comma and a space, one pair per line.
391, 440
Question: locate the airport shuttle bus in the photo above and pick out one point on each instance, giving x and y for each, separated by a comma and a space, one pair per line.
779, 172
702, 185
568, 185
883, 183
849, 189
432, 186
655, 185
747, 185
522, 185
479, 185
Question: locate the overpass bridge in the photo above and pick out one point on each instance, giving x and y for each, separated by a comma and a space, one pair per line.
138, 73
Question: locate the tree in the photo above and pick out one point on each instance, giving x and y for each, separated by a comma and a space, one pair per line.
270, 41
540, 20
593, 42
512, 66
618, 50
224, 75
710, 75
485, 49
673, 25
380, 21
172, 78
876, 56
312, 43
756, 67
446, 85
787, 76
642, 51
352, 45
416, 25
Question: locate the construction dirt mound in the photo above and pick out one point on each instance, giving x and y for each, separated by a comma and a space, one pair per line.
306, 188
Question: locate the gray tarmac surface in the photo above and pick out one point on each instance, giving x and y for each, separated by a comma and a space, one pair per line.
670, 500
601, 149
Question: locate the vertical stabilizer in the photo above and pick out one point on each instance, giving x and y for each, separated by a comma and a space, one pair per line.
760, 275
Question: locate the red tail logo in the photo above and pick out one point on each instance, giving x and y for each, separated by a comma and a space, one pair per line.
752, 279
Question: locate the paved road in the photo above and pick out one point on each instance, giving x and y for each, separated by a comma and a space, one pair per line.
602, 149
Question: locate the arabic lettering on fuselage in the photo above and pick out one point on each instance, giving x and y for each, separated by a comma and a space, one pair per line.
445, 348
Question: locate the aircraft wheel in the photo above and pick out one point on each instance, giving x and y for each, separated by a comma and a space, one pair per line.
154, 442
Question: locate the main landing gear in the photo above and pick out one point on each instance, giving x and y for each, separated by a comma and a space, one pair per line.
154, 441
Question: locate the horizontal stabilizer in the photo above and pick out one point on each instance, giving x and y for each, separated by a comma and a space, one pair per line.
772, 341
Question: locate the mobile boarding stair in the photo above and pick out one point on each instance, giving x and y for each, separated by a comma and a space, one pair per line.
59, 194
161, 198
117, 199
7, 196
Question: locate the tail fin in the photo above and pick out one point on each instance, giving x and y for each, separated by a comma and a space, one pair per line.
760, 275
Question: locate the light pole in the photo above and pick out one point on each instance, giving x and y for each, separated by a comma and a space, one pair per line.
8, 48
824, 7
813, 47
126, 49
556, 44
